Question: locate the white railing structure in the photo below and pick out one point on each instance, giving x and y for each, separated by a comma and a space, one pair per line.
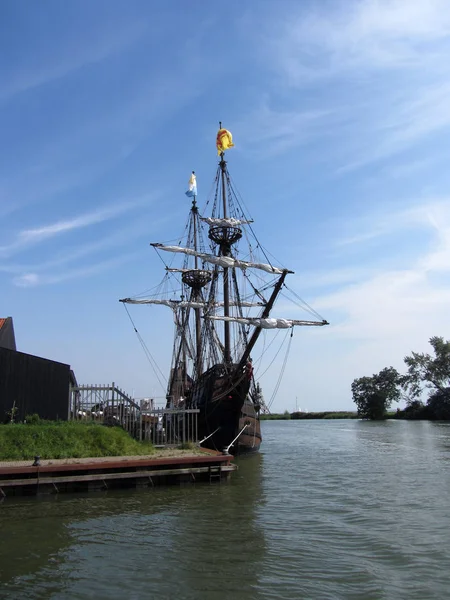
143, 419
106, 404
168, 426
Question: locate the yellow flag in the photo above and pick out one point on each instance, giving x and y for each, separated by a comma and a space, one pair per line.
224, 141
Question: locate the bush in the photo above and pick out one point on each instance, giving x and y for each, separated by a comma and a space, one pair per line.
33, 419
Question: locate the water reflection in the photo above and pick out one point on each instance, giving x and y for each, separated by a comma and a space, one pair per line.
161, 543
331, 510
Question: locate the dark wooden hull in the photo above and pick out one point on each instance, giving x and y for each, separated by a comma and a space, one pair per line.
225, 410
250, 440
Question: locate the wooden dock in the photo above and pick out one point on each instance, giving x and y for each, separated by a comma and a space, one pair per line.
94, 474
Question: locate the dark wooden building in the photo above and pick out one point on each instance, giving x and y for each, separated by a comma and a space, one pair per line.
30, 383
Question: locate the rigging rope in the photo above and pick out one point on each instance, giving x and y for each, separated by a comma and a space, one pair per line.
277, 386
304, 303
150, 358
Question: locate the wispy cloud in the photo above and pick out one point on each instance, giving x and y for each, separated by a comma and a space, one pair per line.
385, 221
376, 72
368, 34
95, 143
418, 114
390, 302
31, 237
378, 314
34, 279
272, 132
49, 271
71, 58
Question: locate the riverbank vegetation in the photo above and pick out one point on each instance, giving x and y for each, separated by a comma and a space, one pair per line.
425, 387
325, 415
63, 439
310, 415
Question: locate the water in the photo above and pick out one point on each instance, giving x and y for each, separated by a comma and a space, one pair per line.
328, 510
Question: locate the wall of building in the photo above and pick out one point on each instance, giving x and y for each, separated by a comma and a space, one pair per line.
35, 384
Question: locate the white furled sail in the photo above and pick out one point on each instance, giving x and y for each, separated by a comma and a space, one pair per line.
189, 303
231, 222
170, 270
269, 323
222, 261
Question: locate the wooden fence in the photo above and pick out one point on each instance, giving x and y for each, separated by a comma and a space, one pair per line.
109, 405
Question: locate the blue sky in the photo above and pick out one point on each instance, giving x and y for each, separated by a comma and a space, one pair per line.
340, 113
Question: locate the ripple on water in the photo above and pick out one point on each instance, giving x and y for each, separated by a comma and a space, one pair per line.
329, 510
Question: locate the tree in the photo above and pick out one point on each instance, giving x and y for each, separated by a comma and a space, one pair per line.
374, 395
433, 372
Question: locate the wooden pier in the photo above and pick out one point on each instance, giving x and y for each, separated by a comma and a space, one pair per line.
94, 474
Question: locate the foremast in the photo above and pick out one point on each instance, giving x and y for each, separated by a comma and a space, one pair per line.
196, 279
196, 291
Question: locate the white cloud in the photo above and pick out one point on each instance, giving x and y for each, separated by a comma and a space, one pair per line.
375, 72
34, 279
270, 132
49, 271
30, 237
27, 280
387, 221
404, 122
377, 315
104, 45
361, 35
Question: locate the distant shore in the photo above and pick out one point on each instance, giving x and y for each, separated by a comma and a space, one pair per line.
405, 415
310, 415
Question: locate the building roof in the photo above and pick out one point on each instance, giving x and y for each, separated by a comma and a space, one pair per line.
7, 337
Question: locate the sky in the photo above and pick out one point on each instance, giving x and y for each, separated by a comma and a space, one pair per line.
340, 114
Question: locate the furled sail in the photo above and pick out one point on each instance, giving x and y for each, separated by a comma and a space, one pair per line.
231, 222
222, 261
269, 323
170, 270
190, 304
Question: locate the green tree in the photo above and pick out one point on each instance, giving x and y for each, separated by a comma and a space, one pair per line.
432, 372
374, 395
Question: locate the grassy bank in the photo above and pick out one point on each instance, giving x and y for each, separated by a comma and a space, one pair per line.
60, 439
325, 415
310, 415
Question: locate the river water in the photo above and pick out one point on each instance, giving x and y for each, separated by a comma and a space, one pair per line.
327, 510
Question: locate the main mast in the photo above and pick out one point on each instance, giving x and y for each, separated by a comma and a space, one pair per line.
225, 251
225, 236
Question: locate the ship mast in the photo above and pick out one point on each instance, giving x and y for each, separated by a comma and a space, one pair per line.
225, 251
196, 279
225, 237
198, 323
265, 314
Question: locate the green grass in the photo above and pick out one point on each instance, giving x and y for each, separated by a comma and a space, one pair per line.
62, 439
275, 417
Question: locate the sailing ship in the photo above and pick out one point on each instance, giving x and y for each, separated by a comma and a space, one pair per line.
222, 296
